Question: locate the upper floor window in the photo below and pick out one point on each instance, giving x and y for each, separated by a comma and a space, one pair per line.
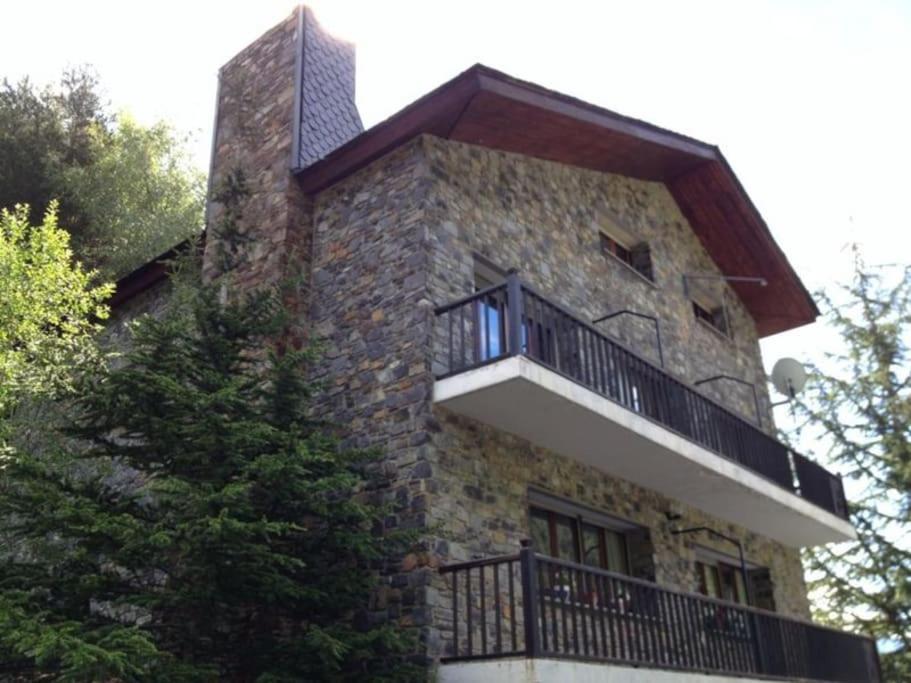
713, 316
490, 326
637, 256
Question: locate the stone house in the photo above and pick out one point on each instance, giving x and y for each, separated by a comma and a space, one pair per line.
547, 315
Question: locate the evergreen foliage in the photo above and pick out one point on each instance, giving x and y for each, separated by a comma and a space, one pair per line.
206, 529
860, 402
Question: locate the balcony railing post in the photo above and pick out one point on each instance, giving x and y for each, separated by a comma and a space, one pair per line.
514, 311
529, 597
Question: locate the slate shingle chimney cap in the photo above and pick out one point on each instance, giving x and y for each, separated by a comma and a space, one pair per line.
326, 115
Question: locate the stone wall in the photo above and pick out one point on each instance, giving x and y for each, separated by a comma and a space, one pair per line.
544, 219
396, 239
152, 301
371, 312
254, 133
480, 507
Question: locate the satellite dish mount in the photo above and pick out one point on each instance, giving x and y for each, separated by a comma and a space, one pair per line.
789, 377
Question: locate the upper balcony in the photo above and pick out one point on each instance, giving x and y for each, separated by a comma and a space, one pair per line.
520, 363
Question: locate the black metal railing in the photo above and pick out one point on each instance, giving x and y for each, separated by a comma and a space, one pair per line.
513, 319
536, 606
820, 486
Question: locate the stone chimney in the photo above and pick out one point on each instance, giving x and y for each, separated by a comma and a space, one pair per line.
284, 102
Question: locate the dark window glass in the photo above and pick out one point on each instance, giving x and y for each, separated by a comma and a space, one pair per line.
570, 538
641, 259
716, 317
721, 580
567, 541
709, 582
540, 531
762, 587
593, 550
617, 558
490, 322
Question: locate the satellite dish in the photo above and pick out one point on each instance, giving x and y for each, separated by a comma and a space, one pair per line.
789, 377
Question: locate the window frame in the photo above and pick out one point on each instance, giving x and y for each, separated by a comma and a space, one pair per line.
617, 248
727, 574
708, 316
490, 318
580, 517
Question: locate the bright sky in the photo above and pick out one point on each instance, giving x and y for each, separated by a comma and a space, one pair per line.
810, 101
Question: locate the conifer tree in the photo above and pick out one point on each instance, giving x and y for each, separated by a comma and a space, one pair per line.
206, 528
859, 401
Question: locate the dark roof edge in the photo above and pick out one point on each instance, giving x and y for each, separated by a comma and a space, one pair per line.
466, 84
593, 113
405, 123
767, 232
438, 111
147, 275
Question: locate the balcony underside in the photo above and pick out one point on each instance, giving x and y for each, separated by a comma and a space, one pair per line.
519, 396
524, 670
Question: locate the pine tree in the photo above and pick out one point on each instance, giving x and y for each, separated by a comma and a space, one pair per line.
860, 401
205, 529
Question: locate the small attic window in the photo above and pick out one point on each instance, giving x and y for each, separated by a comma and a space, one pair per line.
713, 316
636, 256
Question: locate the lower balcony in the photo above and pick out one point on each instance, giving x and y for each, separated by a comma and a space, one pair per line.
527, 617
510, 358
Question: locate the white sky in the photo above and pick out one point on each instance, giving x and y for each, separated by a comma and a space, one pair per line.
810, 101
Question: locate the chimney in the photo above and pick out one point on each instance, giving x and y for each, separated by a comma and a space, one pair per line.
325, 71
284, 102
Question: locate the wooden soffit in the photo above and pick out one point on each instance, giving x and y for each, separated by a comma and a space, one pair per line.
485, 107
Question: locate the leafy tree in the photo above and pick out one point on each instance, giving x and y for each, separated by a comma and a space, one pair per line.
139, 197
42, 131
49, 310
126, 192
208, 529
860, 402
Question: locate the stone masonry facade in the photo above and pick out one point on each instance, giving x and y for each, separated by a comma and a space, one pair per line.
398, 238
376, 252
254, 136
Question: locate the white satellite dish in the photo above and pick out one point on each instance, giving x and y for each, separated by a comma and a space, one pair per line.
789, 377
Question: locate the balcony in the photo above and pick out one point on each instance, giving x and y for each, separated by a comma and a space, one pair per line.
572, 617
518, 362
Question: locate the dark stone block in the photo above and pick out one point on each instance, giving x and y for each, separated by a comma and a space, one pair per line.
423, 470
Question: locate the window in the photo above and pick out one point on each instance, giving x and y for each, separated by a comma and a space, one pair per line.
490, 312
492, 323
714, 317
577, 540
638, 257
723, 579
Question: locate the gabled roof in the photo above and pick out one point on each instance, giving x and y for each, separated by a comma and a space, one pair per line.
485, 107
